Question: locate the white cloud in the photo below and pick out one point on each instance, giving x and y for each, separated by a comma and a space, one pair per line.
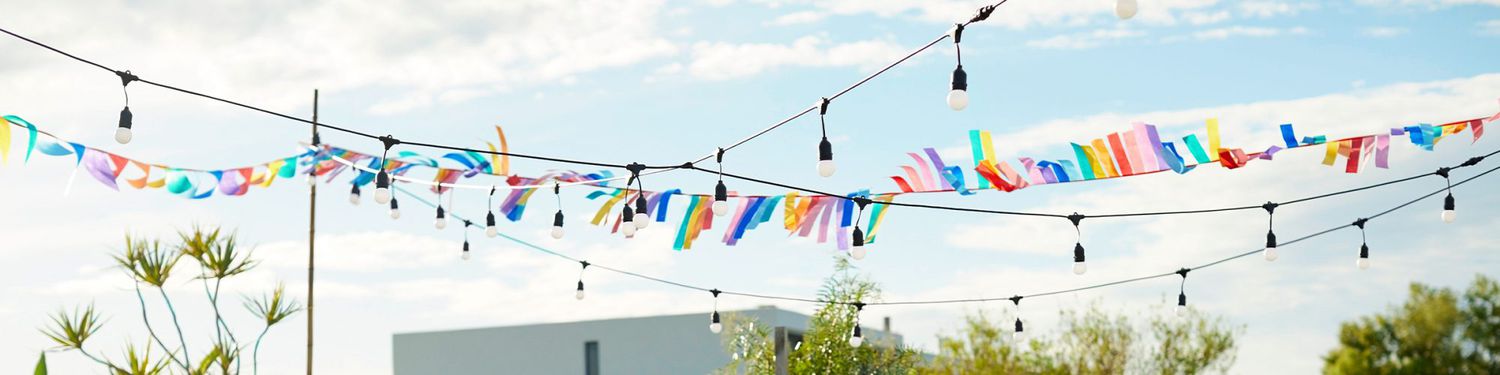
1204, 18
1236, 31
722, 60
1384, 31
1491, 28
1267, 9
1015, 14
1085, 40
797, 18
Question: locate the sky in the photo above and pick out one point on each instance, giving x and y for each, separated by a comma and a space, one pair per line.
662, 82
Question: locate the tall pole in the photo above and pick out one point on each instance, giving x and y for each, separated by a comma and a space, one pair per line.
312, 222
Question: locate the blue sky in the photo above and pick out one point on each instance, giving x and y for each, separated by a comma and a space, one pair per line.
659, 82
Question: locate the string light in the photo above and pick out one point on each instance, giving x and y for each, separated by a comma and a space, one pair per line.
383, 179
1182, 308
858, 237
642, 219
123, 134
713, 320
1079, 267
467, 224
627, 218
958, 98
489, 218
1364, 248
858, 338
1020, 333
721, 192
354, 194
1270, 252
1449, 215
826, 167
579, 294
395, 209
557, 220
442, 217
1125, 9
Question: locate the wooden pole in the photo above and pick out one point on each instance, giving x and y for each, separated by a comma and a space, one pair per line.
312, 223
783, 349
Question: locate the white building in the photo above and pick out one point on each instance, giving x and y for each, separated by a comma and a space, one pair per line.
669, 344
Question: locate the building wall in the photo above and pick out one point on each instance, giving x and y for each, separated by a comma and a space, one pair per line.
670, 344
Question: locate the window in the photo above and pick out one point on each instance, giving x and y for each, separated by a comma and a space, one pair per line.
591, 358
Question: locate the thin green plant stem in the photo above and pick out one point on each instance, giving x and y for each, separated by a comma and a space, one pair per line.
187, 358
255, 354
146, 318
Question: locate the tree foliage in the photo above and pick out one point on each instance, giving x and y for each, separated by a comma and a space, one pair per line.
1437, 331
825, 347
1091, 341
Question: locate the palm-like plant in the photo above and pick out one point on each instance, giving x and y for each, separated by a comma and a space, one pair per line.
139, 362
272, 309
72, 330
147, 262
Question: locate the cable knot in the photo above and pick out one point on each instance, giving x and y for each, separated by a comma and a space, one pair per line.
1076, 218
126, 77
1361, 223
719, 157
467, 223
1183, 272
715, 292
823, 107
1270, 207
388, 141
958, 33
859, 306
982, 14
635, 168
861, 202
1443, 172
584, 263
1472, 161
687, 165
1015, 300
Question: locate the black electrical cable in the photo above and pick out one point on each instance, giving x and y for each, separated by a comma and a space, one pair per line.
1471, 162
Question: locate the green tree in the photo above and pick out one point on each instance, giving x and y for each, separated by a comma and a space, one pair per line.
825, 347
1091, 342
1436, 331
151, 265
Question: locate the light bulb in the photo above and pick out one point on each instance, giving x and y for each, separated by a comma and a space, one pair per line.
713, 323
721, 200
641, 220
1364, 257
825, 158
1270, 254
382, 195
628, 229
1362, 263
720, 208
557, 232
856, 341
1080, 268
557, 225
466, 255
491, 231
826, 168
440, 223
1078, 257
395, 213
1449, 216
1448, 206
1182, 310
579, 294
312, 180
122, 135
958, 99
354, 195
1125, 9
858, 253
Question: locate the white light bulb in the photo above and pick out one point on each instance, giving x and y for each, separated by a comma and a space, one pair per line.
720, 208
826, 168
557, 232
628, 229
856, 341
578, 295
641, 220
1182, 310
354, 199
1362, 263
1018, 337
382, 195
395, 213
958, 99
491, 231
1079, 268
440, 223
1125, 9
466, 255
1449, 216
715, 327
858, 253
1270, 254
312, 180
123, 135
